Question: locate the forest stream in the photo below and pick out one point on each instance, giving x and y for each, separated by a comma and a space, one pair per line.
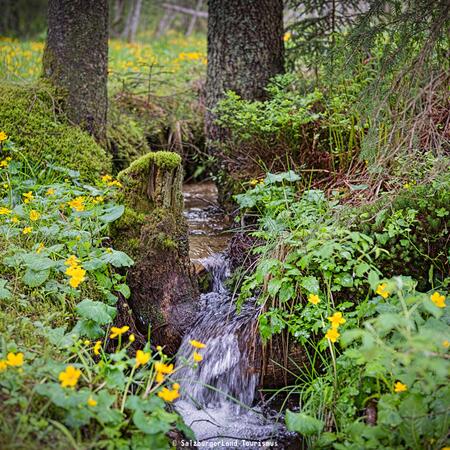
218, 395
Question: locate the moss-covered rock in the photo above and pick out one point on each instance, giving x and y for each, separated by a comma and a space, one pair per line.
29, 114
154, 232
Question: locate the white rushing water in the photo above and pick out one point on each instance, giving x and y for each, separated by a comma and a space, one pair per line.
218, 395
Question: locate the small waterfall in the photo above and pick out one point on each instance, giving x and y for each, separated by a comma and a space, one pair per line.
217, 396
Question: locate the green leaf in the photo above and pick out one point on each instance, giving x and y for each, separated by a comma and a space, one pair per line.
273, 287
311, 284
149, 424
117, 259
88, 328
124, 290
96, 311
112, 213
38, 262
303, 424
33, 279
5, 293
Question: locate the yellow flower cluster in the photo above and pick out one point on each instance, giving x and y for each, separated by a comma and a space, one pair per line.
74, 271
336, 320
77, 204
162, 370
27, 197
12, 360
5, 162
108, 179
196, 356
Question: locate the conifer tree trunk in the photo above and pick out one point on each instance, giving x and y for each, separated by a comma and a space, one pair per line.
76, 60
245, 49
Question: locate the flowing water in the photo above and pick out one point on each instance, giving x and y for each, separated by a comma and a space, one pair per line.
218, 396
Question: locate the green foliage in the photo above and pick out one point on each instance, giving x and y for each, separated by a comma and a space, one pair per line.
396, 363
305, 253
29, 115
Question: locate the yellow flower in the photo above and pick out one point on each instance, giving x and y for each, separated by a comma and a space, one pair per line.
27, 230
142, 358
381, 290
106, 178
169, 395
41, 247
4, 162
336, 319
197, 344
3, 136
77, 204
50, 191
159, 348
91, 402
446, 344
4, 211
287, 36
14, 359
159, 377
400, 387
34, 215
69, 377
28, 196
72, 260
438, 300
197, 357
87, 342
77, 275
253, 182
131, 338
97, 347
332, 334
115, 331
314, 299
98, 199
3, 365
115, 183
164, 368
15, 220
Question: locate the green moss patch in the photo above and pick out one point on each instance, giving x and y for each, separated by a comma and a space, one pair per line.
29, 114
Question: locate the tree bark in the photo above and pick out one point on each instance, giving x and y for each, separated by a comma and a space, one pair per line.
245, 49
76, 60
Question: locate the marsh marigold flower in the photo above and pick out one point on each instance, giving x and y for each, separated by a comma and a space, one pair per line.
40, 247
336, 319
164, 368
400, 387
69, 377
14, 359
197, 344
131, 337
332, 334
197, 357
382, 290
4, 211
438, 300
91, 402
3, 136
50, 191
169, 395
142, 358
314, 299
27, 197
3, 365
77, 204
27, 230
115, 331
34, 215
106, 178
97, 347
159, 377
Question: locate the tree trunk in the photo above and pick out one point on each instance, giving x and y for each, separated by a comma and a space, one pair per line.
76, 60
154, 233
134, 23
245, 49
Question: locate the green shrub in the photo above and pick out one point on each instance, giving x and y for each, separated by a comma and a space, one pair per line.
29, 115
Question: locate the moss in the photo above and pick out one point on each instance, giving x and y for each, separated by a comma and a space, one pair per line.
29, 115
125, 138
163, 160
